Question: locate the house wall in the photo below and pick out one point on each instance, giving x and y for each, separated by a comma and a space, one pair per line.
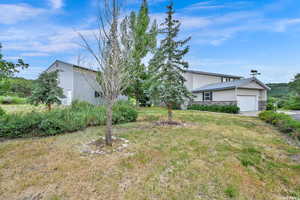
65, 78
224, 97
194, 81
85, 85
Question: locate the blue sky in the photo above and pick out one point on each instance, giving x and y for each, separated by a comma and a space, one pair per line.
228, 36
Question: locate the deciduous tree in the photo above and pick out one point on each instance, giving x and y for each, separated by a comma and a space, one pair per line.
112, 57
144, 41
8, 69
46, 90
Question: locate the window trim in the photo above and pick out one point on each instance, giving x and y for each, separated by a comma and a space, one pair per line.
97, 94
210, 96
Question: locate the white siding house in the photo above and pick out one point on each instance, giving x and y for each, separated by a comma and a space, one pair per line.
211, 88
78, 83
249, 94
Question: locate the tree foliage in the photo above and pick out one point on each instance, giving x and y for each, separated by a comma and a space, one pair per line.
144, 41
295, 85
8, 69
168, 65
46, 90
15, 86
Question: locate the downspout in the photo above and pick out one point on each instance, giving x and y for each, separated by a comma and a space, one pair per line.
236, 100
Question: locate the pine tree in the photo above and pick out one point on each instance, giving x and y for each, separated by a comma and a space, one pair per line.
168, 66
47, 90
144, 41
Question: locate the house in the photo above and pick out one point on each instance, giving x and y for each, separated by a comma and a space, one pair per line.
249, 94
78, 83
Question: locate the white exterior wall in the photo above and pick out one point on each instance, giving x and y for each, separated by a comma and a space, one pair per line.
65, 78
85, 86
224, 95
194, 81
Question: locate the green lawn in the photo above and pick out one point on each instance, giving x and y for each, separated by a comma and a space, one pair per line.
214, 156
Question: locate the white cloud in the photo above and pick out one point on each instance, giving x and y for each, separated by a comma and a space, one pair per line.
14, 13
56, 4
34, 54
282, 25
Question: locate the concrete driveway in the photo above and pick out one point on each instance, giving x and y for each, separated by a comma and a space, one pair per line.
294, 113
296, 116
250, 113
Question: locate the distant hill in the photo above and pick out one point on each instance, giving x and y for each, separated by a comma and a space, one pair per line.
278, 90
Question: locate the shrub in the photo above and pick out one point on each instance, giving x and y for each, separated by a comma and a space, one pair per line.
57, 121
215, 108
123, 111
284, 122
2, 112
12, 100
271, 104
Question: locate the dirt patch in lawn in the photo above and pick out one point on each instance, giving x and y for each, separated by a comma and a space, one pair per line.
99, 146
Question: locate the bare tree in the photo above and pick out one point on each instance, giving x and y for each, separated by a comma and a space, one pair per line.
111, 49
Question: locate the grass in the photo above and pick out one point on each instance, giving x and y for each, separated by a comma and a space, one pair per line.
22, 108
215, 156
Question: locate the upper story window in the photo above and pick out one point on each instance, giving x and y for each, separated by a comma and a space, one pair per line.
225, 79
207, 96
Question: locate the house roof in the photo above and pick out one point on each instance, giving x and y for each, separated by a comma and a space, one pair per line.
76, 66
212, 74
230, 85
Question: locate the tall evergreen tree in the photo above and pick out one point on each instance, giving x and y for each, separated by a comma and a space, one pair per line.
144, 41
47, 90
168, 66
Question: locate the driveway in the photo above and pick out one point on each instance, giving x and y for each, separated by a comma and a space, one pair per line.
294, 113
250, 113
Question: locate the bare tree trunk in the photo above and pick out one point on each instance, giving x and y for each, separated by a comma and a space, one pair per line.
108, 134
49, 107
170, 113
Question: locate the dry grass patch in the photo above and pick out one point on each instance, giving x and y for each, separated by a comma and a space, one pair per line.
218, 156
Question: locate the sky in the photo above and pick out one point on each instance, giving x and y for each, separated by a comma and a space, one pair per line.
228, 36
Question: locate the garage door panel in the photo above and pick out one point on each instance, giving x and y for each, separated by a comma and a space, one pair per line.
247, 103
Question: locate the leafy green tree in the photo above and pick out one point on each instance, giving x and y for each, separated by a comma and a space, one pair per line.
16, 86
295, 85
8, 69
168, 66
144, 41
47, 90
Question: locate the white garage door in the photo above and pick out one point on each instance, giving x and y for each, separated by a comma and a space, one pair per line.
247, 103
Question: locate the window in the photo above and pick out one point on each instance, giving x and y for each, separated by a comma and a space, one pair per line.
224, 79
97, 94
207, 96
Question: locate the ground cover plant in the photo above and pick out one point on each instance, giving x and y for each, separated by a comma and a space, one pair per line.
61, 120
12, 100
284, 122
216, 108
213, 156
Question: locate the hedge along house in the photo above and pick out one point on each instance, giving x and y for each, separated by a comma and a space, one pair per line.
248, 94
78, 83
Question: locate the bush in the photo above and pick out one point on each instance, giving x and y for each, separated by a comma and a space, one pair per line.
12, 100
123, 111
284, 122
76, 117
2, 112
271, 104
215, 108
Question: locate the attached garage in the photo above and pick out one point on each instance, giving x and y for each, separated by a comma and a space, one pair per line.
247, 103
248, 94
